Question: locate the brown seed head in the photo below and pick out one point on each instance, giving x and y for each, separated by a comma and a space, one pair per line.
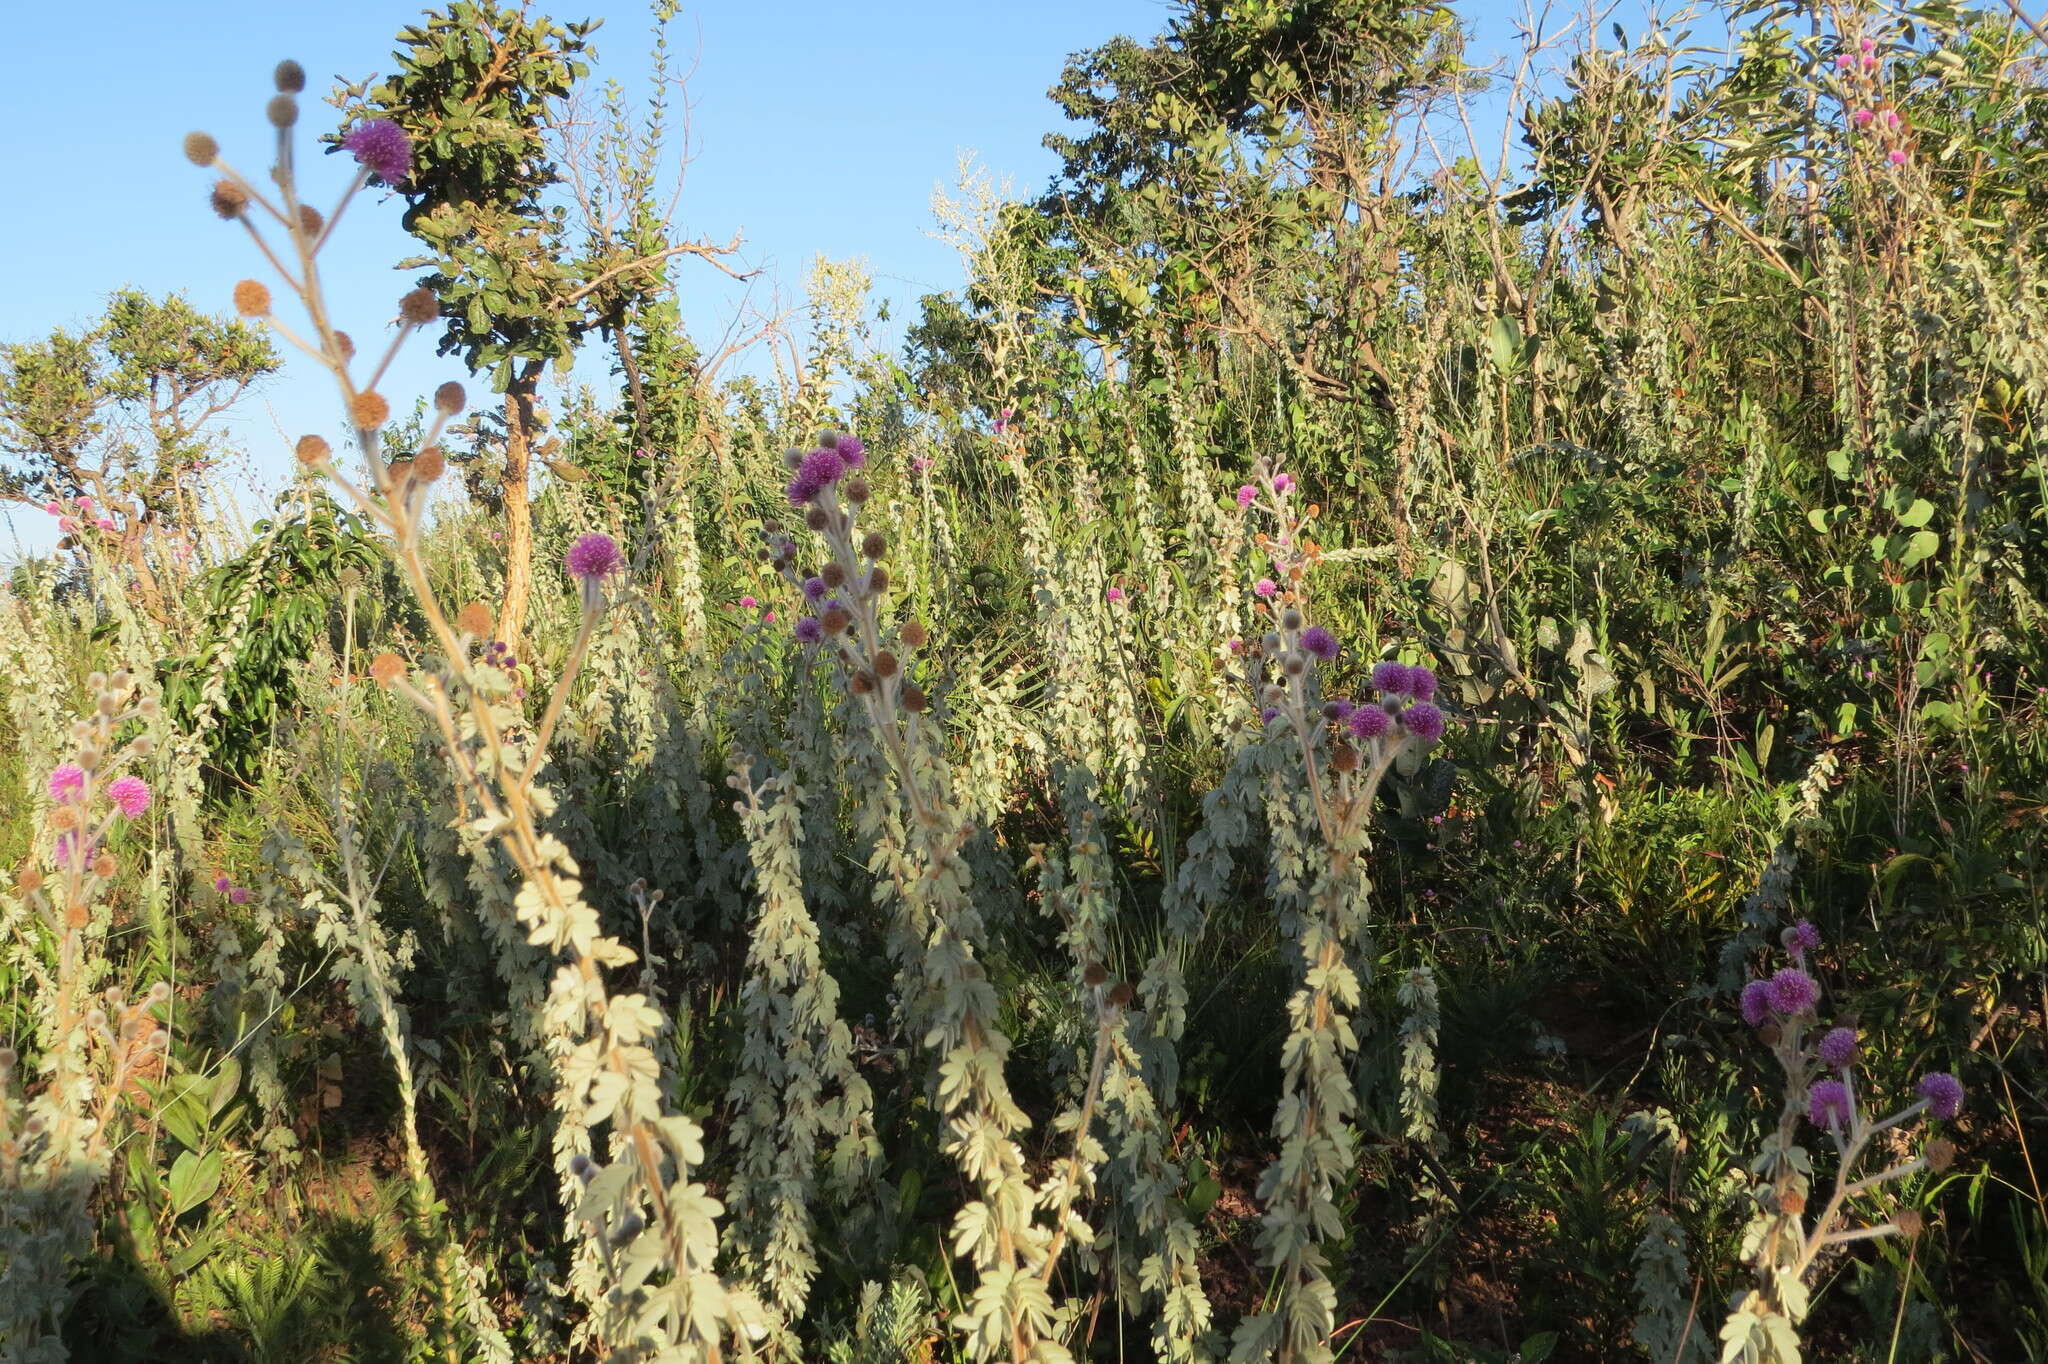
63, 818
228, 199
344, 345
1345, 758
474, 619
104, 866
833, 575
1290, 619
861, 683
1094, 974
313, 450
282, 111
201, 149
816, 518
252, 298
429, 464
855, 490
310, 221
914, 699
1910, 1223
419, 307
874, 544
387, 668
835, 620
1939, 1155
913, 633
29, 881
1122, 995
290, 77
1792, 1203
885, 664
878, 581
369, 411
77, 915
450, 399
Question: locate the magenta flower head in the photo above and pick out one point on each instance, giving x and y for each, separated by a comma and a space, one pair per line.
823, 467
1863, 117
1943, 1092
1897, 156
814, 589
1827, 1105
1838, 1048
382, 148
1264, 588
222, 884
1794, 992
1801, 937
1115, 594
1247, 495
748, 603
1283, 483
1320, 642
1421, 683
852, 451
809, 630
1369, 722
1390, 677
238, 896
594, 556
1756, 1003
1338, 710
130, 795
1270, 714
66, 782
1424, 721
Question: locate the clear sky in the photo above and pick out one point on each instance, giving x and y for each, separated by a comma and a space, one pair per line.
816, 128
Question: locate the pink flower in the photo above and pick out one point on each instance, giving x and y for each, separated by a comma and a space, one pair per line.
238, 896
382, 148
85, 504
105, 523
1247, 495
222, 884
1892, 119
1827, 1104
748, 603
1862, 117
1424, 721
54, 508
1844, 62
1265, 588
1943, 1092
1897, 156
767, 617
66, 783
1756, 1003
593, 556
130, 795
66, 524
1115, 594
1283, 482
921, 463
1368, 722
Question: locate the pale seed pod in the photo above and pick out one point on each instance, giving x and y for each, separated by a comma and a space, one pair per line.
201, 149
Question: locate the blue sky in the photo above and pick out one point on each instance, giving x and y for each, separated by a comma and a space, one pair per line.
816, 128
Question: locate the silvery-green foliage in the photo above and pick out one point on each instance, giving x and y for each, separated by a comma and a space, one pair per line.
1420, 1021
797, 1100
1667, 1310
889, 1327
1763, 909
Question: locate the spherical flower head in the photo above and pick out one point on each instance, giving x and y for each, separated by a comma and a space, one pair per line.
1115, 594
130, 795
222, 884
814, 589
802, 490
1801, 937
852, 452
1264, 589
809, 630
1827, 1105
1421, 683
1844, 62
1838, 1048
1390, 677
1794, 992
238, 896
823, 466
594, 556
748, 603
1756, 1003
1247, 495
1338, 710
1943, 1092
66, 782
1283, 483
1897, 156
1369, 722
1863, 117
1424, 721
1320, 642
382, 148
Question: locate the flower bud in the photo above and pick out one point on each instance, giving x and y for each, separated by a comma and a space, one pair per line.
419, 307
429, 464
387, 668
313, 450
1909, 1222
1094, 974
201, 149
885, 664
450, 399
874, 544
1939, 1155
832, 575
344, 345
289, 77
310, 221
252, 299
792, 458
1290, 619
861, 683
855, 490
1122, 995
816, 518
282, 111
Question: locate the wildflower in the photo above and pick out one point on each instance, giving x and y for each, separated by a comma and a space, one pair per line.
1390, 677
1283, 483
1421, 683
1264, 588
1892, 119
1320, 642
382, 148
814, 589
921, 463
1115, 594
222, 884
748, 603
1424, 721
1369, 722
66, 782
810, 630
1844, 62
852, 451
1269, 714
1862, 117
238, 896
53, 508
1793, 992
1943, 1093
1827, 1104
1838, 1048
801, 490
823, 467
593, 556
1897, 156
1756, 1003
1801, 937
1247, 495
130, 795
105, 523
1338, 710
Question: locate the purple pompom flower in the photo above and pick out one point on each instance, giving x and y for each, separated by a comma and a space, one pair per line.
66, 782
1247, 495
222, 884
852, 452
1283, 483
1424, 721
1319, 642
1943, 1092
382, 148
1827, 1105
1264, 588
809, 630
1369, 722
1115, 594
801, 490
1421, 683
1338, 709
1801, 937
1390, 677
1269, 714
1756, 1003
814, 589
1838, 1048
238, 896
1794, 992
593, 556
823, 467
130, 795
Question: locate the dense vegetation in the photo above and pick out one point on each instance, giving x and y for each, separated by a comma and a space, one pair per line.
1385, 740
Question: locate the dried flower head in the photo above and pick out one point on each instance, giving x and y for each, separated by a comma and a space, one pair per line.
913, 633
344, 345
386, 668
1121, 996
104, 866
878, 581
282, 111
228, 199
429, 464
1344, 758
289, 77
419, 307
874, 544
450, 399
886, 664
1939, 1155
310, 221
474, 619
855, 490
313, 450
1910, 1222
252, 298
835, 620
369, 411
914, 699
201, 149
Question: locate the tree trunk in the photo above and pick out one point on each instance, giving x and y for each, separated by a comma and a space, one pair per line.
520, 429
